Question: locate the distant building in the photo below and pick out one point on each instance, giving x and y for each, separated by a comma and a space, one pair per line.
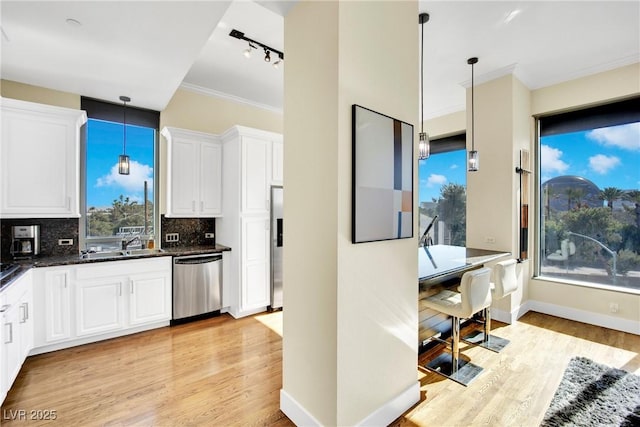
556, 193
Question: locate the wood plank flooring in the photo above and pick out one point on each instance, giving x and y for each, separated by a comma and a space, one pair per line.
226, 372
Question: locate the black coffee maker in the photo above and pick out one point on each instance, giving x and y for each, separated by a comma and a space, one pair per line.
25, 241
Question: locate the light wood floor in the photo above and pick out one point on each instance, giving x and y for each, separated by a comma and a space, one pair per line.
226, 372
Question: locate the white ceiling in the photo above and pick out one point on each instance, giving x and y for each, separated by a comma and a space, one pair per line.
147, 49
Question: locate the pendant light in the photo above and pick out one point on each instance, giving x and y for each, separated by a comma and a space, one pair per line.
123, 159
473, 161
424, 148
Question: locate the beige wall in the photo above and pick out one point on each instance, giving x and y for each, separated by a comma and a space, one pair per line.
553, 297
350, 326
24, 92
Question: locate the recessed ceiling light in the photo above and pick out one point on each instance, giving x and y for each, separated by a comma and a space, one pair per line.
74, 22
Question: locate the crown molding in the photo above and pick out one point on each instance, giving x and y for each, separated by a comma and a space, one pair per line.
228, 97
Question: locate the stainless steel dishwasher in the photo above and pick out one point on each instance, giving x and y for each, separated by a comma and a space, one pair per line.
197, 285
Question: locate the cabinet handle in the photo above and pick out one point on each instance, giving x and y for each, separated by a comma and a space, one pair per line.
132, 284
193, 206
201, 206
10, 325
5, 308
120, 289
23, 310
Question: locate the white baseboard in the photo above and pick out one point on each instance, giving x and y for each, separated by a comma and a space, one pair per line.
382, 416
397, 406
296, 412
611, 322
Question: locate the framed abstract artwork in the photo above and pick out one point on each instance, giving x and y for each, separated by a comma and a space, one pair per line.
382, 177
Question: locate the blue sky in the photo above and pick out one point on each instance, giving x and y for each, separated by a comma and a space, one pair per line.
104, 184
609, 157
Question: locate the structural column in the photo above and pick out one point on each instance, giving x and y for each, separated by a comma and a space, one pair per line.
350, 310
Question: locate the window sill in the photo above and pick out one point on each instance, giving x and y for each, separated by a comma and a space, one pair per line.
601, 286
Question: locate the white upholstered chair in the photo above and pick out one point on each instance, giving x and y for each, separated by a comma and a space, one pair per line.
474, 296
505, 282
567, 249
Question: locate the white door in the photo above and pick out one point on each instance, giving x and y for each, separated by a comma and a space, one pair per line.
210, 179
183, 178
26, 324
57, 305
99, 306
11, 343
255, 153
255, 263
149, 299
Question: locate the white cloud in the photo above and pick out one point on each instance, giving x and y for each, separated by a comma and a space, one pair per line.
623, 136
603, 164
550, 160
133, 182
453, 166
435, 179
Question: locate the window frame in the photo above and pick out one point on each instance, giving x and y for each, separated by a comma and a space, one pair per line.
612, 112
112, 112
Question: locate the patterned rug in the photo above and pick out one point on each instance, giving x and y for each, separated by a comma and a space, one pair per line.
591, 394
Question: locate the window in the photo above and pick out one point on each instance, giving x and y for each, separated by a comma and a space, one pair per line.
442, 191
115, 207
589, 196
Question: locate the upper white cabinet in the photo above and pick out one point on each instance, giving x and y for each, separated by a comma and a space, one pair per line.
277, 163
39, 155
194, 173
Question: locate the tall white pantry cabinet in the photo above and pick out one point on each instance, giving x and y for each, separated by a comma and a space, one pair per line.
252, 163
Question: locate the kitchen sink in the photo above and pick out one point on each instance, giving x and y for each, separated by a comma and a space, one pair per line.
121, 254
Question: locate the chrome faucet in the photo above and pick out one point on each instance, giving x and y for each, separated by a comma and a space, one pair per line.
126, 243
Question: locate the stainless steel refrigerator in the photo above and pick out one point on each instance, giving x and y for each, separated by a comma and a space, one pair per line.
277, 196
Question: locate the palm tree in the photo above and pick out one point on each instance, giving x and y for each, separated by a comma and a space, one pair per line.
634, 196
611, 194
574, 195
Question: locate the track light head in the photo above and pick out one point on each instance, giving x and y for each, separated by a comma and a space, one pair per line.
267, 56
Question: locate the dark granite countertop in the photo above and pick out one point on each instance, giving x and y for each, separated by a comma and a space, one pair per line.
44, 261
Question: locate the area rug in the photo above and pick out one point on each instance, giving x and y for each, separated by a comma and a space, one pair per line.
591, 394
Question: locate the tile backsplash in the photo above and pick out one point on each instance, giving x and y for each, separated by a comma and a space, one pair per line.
51, 230
191, 231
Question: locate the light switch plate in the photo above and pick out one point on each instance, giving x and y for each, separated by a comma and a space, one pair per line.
171, 237
65, 242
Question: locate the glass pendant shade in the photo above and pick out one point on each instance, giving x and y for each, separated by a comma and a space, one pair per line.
473, 161
424, 146
123, 164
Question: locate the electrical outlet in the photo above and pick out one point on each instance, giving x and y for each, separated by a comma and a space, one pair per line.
613, 307
65, 242
209, 235
490, 239
171, 237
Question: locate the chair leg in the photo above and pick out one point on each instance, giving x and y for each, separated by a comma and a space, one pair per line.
451, 366
485, 339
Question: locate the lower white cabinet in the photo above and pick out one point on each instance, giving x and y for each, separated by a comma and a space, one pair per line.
254, 283
90, 302
16, 336
99, 306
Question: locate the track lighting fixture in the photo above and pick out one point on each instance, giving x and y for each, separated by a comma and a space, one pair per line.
253, 44
123, 159
424, 145
473, 160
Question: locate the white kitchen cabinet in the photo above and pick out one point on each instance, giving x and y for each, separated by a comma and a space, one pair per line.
149, 298
99, 305
194, 173
254, 288
16, 335
89, 302
277, 163
39, 158
248, 163
56, 323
